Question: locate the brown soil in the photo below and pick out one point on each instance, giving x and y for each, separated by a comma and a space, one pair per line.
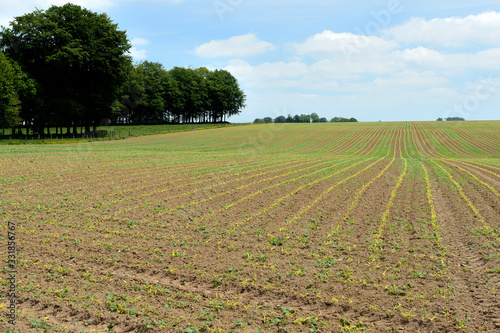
223, 243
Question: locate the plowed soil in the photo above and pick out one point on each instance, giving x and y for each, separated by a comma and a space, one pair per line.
381, 227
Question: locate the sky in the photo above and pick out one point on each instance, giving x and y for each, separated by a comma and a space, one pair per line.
391, 60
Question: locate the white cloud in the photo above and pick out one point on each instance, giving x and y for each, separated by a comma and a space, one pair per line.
488, 59
411, 80
422, 56
140, 42
441, 92
329, 44
481, 29
238, 46
138, 54
276, 75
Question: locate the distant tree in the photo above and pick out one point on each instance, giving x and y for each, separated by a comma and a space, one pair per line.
323, 120
455, 119
268, 120
440, 119
296, 119
344, 120
289, 119
315, 118
305, 118
280, 119
258, 121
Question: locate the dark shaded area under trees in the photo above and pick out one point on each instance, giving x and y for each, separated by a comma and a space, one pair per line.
68, 67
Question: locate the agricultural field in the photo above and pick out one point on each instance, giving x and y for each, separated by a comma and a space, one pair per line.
55, 136
380, 227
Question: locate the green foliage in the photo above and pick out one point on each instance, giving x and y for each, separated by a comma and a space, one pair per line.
343, 120
14, 84
193, 95
305, 118
225, 98
152, 89
280, 119
315, 118
302, 118
78, 57
85, 77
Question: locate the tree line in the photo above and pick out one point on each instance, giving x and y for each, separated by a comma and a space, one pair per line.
180, 95
68, 67
303, 118
451, 119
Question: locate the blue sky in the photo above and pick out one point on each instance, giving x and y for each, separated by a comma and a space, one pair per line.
391, 60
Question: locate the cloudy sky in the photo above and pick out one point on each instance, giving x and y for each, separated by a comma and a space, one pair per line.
391, 60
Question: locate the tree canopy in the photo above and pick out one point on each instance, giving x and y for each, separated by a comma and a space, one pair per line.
181, 95
80, 64
303, 118
79, 59
14, 85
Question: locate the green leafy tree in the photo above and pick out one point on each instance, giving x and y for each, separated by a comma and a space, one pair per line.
258, 121
225, 97
131, 92
296, 119
305, 118
14, 85
280, 119
344, 120
289, 119
79, 58
315, 118
268, 120
151, 87
323, 120
192, 98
